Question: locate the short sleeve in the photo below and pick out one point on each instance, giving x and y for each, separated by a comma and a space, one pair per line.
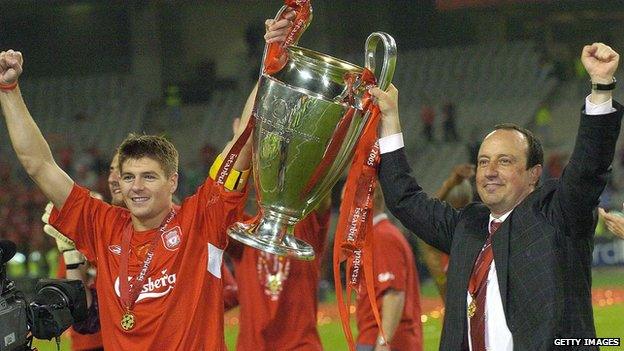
219, 207
389, 265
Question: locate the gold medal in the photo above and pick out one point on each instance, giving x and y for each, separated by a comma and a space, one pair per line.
128, 321
274, 283
472, 307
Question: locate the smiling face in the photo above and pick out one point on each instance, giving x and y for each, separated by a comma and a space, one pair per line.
113, 182
147, 191
503, 179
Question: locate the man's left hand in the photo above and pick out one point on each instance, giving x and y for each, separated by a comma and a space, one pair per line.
600, 61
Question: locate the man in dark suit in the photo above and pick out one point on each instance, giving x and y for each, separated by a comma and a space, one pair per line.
520, 286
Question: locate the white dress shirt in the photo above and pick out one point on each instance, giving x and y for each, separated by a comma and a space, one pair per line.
497, 335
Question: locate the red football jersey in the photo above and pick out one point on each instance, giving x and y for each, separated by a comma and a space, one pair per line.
278, 295
180, 306
394, 268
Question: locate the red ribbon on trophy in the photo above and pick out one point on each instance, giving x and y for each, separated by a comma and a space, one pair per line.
353, 240
337, 138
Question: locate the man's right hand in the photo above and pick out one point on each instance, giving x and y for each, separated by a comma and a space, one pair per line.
276, 31
388, 102
11, 63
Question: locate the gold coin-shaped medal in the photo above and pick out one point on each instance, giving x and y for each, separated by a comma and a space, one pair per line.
128, 321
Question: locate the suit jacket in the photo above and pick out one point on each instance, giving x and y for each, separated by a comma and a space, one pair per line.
543, 250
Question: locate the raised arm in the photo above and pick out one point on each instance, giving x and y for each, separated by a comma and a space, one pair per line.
458, 175
244, 158
275, 32
585, 176
31, 148
430, 219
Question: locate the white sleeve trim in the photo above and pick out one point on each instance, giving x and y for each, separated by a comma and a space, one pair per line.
391, 143
215, 259
604, 108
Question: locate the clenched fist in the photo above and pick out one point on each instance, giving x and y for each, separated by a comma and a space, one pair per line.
11, 63
600, 61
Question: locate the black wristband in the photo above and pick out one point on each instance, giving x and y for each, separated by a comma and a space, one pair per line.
597, 86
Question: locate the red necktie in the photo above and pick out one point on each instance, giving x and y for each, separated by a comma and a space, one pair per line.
477, 287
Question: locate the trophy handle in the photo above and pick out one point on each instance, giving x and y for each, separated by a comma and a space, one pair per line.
389, 60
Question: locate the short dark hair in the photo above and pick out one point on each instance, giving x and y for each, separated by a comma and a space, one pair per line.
155, 147
535, 152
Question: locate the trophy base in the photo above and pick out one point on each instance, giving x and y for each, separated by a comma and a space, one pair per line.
272, 236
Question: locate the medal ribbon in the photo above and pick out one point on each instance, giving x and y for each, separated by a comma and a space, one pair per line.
130, 295
353, 240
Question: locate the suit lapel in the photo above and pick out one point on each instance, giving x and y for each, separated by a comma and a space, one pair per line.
500, 246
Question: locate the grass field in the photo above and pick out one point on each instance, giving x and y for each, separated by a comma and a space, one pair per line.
609, 317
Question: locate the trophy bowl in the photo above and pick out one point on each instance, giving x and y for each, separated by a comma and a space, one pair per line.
308, 120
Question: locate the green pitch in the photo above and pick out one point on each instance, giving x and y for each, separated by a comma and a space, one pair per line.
609, 319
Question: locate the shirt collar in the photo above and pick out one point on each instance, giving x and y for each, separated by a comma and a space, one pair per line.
501, 218
379, 217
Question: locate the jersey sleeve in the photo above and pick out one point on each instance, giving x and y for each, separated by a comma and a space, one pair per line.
81, 219
219, 208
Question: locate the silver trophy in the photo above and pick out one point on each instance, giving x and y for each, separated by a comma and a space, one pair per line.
297, 112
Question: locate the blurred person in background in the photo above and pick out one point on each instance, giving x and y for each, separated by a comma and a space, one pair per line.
614, 220
457, 192
397, 291
449, 118
427, 116
531, 280
278, 295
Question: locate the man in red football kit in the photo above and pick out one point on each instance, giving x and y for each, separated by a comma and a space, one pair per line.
159, 265
85, 336
278, 295
396, 289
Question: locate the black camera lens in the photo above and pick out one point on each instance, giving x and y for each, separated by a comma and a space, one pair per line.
57, 305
